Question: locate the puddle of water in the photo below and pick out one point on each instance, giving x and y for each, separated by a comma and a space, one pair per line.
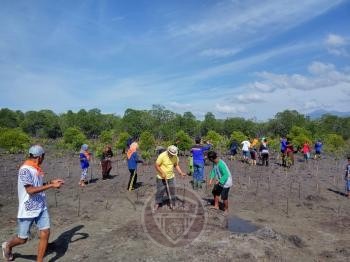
239, 225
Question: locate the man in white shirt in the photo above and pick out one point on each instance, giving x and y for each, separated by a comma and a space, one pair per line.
245, 150
32, 204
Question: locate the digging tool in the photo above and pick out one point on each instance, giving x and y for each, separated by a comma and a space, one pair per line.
168, 191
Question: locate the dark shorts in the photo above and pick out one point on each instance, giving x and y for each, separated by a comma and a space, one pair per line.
221, 191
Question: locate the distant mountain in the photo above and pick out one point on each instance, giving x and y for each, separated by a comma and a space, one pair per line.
318, 113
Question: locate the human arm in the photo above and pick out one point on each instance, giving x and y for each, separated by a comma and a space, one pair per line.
160, 171
55, 183
178, 169
212, 177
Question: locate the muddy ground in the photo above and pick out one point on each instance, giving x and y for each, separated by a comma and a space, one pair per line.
301, 214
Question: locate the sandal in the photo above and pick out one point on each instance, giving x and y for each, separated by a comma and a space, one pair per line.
8, 256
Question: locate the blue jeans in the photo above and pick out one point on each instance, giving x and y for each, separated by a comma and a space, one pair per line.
198, 172
24, 224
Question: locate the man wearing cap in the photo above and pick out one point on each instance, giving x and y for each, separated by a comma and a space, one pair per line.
165, 164
32, 204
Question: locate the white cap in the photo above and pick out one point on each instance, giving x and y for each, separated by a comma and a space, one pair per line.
84, 147
36, 151
172, 150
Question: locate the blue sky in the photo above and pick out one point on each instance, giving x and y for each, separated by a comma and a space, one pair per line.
233, 58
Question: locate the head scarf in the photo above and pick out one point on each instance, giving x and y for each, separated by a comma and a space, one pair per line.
132, 149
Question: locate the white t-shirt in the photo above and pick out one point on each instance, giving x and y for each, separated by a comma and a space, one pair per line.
246, 145
30, 205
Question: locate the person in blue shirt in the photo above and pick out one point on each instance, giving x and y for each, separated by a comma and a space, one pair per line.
197, 152
133, 160
318, 149
283, 150
233, 149
84, 157
347, 178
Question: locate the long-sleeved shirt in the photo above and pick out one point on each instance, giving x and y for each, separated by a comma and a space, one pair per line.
198, 153
133, 160
221, 173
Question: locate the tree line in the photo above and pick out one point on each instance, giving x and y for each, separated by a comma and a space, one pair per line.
164, 125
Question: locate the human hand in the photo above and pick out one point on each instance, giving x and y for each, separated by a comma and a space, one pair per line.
56, 183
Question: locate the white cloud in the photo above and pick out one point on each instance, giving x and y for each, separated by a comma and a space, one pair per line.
218, 53
322, 76
181, 106
250, 98
337, 45
230, 109
249, 17
335, 40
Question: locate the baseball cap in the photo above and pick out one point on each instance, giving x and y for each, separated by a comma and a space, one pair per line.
36, 151
172, 150
84, 147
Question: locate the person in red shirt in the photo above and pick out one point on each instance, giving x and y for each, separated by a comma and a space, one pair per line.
306, 150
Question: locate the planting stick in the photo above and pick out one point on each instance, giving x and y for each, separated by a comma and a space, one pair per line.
299, 189
56, 197
183, 197
169, 195
78, 205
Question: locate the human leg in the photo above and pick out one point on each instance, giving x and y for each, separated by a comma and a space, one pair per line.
131, 179
200, 175
171, 191
224, 197
160, 191
195, 176
83, 176
43, 223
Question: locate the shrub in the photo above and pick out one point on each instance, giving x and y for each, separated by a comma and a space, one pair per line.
106, 137
237, 136
147, 141
184, 142
121, 142
14, 140
74, 138
334, 143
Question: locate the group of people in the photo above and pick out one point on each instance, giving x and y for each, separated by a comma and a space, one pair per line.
32, 186
251, 151
287, 151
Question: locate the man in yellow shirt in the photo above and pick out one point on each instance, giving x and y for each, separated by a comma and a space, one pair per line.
164, 165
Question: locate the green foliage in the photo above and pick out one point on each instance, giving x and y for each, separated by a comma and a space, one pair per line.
44, 123
184, 142
334, 143
121, 141
8, 118
14, 140
74, 138
214, 138
146, 155
147, 141
238, 136
283, 122
274, 143
107, 136
246, 127
299, 135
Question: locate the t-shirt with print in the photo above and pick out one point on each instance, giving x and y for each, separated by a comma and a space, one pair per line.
30, 205
167, 164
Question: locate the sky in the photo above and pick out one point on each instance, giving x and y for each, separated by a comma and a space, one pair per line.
248, 58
